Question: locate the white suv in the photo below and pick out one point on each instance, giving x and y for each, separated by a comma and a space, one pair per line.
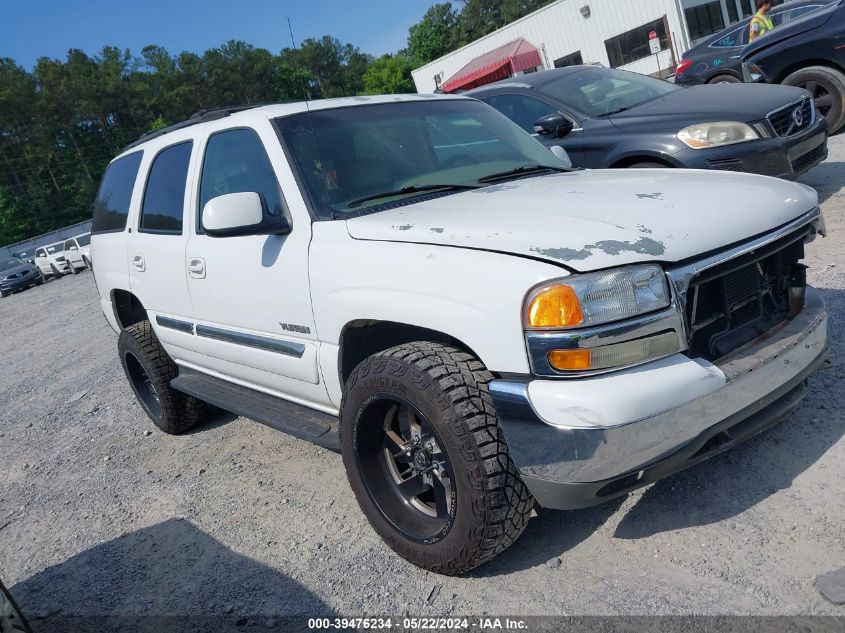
77, 252
51, 260
417, 282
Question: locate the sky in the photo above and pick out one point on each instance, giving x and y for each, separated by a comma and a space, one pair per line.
30, 29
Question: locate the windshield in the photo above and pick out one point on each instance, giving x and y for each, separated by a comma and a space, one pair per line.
55, 248
9, 262
600, 92
347, 155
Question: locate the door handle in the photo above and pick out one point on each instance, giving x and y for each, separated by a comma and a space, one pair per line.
196, 267
139, 263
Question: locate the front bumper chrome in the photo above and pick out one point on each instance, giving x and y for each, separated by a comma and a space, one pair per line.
570, 467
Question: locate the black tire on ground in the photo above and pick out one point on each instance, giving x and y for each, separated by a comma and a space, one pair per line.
86, 262
648, 165
149, 371
827, 85
73, 270
40, 281
440, 394
4, 294
724, 79
55, 270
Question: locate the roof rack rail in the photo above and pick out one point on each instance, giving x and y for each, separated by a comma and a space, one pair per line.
201, 116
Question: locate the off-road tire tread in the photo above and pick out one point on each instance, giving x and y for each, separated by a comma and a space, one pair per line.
180, 411
503, 503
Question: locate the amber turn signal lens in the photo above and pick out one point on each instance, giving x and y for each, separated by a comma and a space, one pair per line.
570, 359
557, 306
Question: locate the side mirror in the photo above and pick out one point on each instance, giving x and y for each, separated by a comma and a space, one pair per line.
555, 125
561, 155
244, 213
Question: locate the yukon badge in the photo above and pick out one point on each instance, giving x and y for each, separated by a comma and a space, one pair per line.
293, 327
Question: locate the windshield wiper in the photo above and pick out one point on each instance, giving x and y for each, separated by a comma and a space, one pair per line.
408, 190
519, 171
612, 112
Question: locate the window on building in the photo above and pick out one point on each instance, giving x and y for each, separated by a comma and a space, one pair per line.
522, 110
112, 204
733, 13
573, 59
705, 19
164, 197
633, 45
235, 161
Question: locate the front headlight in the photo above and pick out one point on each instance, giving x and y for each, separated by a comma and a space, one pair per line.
705, 135
596, 298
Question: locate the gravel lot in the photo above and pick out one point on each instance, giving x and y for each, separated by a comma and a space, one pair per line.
102, 514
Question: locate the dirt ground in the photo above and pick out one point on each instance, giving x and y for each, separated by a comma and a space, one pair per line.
102, 514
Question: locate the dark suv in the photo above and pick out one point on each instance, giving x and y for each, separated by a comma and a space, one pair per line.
808, 53
716, 59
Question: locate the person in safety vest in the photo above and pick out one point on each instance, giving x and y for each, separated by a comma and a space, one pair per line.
761, 23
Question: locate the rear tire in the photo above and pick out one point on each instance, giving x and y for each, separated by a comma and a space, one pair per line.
827, 85
447, 497
724, 79
149, 371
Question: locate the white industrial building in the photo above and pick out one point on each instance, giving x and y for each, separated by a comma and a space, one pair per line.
614, 33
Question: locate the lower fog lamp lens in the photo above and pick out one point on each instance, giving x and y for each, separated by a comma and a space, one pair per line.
615, 355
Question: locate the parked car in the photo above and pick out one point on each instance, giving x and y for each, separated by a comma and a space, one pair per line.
26, 256
417, 282
16, 275
77, 251
51, 260
717, 58
614, 118
808, 53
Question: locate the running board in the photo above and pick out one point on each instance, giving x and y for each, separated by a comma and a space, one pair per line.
294, 419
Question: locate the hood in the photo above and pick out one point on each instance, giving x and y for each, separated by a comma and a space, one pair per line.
593, 219
16, 269
791, 29
716, 102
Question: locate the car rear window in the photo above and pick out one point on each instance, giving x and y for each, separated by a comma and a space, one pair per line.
111, 206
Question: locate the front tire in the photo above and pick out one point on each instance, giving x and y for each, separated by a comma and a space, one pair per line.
427, 460
724, 79
72, 267
149, 371
827, 85
55, 270
648, 165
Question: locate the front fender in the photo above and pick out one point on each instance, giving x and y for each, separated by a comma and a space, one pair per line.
472, 295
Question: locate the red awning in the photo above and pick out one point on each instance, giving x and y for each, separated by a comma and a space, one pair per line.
500, 63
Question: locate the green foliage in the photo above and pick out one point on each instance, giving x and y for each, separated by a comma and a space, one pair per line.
389, 74
434, 35
62, 123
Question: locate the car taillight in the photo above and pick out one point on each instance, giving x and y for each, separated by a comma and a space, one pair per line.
685, 63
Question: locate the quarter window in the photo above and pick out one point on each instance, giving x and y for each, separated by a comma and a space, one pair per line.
522, 110
164, 198
111, 207
235, 161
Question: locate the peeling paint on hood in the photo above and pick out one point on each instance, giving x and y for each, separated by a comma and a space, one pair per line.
594, 219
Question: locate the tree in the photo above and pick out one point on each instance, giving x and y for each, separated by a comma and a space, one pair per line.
389, 74
434, 35
480, 17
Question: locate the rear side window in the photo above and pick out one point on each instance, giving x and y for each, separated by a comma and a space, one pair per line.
112, 204
235, 161
164, 197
